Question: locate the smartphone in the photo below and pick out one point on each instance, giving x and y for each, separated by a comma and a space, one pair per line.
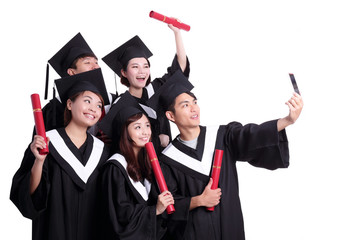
296, 89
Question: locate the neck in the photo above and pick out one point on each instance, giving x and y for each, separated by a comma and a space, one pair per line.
76, 134
136, 151
188, 134
136, 92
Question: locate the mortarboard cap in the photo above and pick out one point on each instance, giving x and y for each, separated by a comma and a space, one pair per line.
125, 107
87, 81
133, 48
166, 94
64, 58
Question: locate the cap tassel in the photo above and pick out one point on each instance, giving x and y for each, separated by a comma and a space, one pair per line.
46, 82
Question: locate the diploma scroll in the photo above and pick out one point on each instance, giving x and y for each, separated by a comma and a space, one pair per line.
215, 174
39, 121
158, 173
169, 20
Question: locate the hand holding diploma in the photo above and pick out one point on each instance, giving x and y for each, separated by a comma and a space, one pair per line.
158, 173
169, 20
215, 174
39, 122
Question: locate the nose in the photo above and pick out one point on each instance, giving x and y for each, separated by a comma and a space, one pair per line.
92, 108
146, 131
95, 66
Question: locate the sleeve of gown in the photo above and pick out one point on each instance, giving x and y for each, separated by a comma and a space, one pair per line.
29, 205
182, 204
127, 218
260, 145
157, 82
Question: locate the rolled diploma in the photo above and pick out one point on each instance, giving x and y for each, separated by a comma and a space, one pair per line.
215, 175
158, 173
39, 121
169, 20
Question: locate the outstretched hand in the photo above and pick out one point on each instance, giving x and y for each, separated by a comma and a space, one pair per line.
295, 105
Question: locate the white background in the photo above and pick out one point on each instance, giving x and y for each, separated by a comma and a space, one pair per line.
240, 53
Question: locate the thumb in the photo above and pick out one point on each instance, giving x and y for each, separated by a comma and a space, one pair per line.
210, 183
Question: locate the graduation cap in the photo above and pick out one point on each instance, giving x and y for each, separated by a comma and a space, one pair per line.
65, 57
119, 113
87, 81
133, 48
166, 94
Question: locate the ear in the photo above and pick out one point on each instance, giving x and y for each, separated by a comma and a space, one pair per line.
68, 104
123, 72
170, 116
71, 71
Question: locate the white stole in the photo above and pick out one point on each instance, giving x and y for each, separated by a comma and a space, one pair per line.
203, 166
142, 190
82, 171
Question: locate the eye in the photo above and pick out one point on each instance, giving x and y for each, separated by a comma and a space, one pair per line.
87, 100
99, 106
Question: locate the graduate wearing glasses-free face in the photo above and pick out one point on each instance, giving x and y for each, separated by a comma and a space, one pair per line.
137, 73
140, 132
85, 110
83, 64
185, 114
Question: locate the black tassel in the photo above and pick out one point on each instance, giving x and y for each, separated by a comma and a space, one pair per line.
46, 81
54, 109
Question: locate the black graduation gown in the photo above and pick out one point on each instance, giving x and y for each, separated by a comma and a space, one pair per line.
65, 204
161, 124
129, 208
187, 172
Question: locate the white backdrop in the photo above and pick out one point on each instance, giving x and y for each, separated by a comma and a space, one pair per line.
241, 53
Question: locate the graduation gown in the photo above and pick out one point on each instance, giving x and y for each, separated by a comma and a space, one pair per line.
159, 122
187, 172
65, 204
129, 208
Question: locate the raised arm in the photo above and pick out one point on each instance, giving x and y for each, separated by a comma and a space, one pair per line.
295, 105
36, 170
180, 49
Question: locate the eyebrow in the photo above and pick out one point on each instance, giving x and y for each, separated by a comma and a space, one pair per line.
135, 63
92, 98
187, 101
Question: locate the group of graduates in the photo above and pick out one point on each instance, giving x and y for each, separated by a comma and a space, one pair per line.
96, 182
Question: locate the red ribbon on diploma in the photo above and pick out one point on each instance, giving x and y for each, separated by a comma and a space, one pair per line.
39, 121
169, 20
158, 173
215, 175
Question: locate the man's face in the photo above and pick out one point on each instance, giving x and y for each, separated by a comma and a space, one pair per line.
187, 112
83, 65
